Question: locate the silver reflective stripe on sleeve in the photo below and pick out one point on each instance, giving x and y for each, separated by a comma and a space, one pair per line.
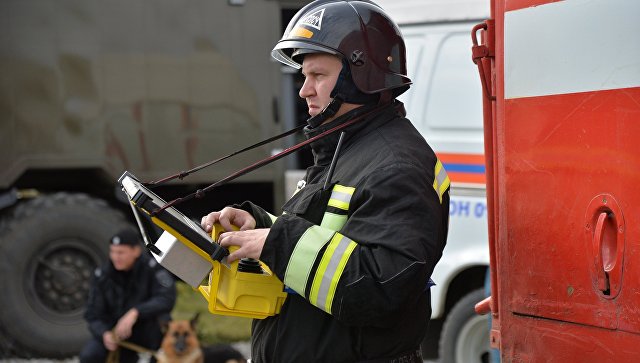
340, 199
330, 270
441, 181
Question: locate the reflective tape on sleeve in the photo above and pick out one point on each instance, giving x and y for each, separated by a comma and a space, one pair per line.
333, 221
330, 270
441, 181
341, 196
304, 256
339, 203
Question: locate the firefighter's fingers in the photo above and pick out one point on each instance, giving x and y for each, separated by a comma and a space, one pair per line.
249, 243
208, 221
235, 255
255, 242
242, 219
248, 223
227, 218
229, 240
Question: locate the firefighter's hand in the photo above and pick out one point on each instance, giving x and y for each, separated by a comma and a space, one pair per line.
250, 243
229, 217
109, 341
125, 324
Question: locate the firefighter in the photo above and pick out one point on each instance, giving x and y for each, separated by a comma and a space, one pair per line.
130, 298
358, 244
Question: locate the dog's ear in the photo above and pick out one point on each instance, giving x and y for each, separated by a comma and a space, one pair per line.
194, 320
164, 326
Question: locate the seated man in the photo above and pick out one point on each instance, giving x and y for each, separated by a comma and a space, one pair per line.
129, 298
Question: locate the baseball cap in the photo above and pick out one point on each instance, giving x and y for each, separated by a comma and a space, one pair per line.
128, 236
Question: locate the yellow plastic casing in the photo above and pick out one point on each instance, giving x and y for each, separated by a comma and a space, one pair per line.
244, 294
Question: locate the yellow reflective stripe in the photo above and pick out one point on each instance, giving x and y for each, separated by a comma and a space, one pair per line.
304, 256
272, 217
341, 196
343, 189
441, 180
330, 270
333, 221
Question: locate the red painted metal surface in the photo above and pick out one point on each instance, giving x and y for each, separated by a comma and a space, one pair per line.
560, 152
526, 339
483, 55
563, 176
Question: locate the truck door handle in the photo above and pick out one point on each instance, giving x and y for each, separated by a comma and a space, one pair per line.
607, 242
602, 267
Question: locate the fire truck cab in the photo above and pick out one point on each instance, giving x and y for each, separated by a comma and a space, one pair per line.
561, 98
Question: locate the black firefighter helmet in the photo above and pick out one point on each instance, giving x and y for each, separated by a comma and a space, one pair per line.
360, 32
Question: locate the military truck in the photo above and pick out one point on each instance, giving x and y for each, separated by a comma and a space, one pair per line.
89, 89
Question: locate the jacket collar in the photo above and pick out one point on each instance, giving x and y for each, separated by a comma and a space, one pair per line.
324, 148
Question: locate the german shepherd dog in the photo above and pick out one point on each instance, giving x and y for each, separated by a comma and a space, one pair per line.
181, 345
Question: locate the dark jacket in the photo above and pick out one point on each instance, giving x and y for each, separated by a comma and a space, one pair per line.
148, 287
360, 254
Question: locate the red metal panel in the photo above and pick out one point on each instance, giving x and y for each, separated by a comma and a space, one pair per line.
555, 157
561, 151
528, 340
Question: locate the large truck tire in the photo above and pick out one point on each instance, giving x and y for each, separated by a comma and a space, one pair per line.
465, 335
49, 249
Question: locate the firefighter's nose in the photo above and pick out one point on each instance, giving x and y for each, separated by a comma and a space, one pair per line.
307, 90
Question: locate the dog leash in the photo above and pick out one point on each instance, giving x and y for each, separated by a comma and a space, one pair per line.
114, 356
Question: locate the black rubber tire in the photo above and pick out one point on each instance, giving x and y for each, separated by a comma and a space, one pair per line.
456, 331
49, 248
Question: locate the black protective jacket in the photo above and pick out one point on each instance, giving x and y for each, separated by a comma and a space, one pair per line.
148, 287
360, 253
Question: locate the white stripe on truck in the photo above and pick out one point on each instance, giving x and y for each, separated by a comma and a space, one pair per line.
569, 52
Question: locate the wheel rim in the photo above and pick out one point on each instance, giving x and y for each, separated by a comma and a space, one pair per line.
59, 277
472, 344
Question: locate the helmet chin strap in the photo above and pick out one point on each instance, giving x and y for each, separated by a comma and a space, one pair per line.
328, 112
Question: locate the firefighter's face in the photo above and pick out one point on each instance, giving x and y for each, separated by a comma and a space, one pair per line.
321, 73
124, 257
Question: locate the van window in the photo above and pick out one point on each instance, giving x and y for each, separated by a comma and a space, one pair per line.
455, 95
414, 55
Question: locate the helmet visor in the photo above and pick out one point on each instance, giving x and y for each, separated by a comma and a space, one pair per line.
282, 57
283, 50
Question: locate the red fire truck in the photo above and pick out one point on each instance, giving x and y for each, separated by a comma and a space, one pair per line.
561, 86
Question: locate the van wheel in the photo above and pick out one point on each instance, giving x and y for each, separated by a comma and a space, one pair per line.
49, 249
465, 335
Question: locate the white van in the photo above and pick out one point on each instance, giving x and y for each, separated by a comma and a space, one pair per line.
445, 104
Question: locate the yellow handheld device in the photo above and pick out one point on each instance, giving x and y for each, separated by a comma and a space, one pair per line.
245, 288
